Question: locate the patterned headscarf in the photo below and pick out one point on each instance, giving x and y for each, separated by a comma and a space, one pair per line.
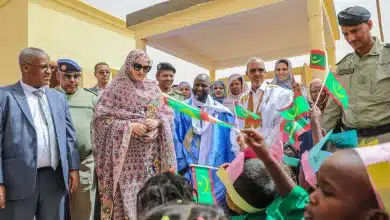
126, 101
218, 83
182, 84
323, 99
287, 84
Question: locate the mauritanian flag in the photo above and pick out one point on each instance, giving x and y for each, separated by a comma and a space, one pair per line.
203, 184
318, 59
193, 112
336, 90
299, 107
294, 129
241, 112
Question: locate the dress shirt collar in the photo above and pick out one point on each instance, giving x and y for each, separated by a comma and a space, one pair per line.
29, 89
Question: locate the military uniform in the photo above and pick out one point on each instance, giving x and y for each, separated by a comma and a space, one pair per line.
177, 95
81, 106
367, 80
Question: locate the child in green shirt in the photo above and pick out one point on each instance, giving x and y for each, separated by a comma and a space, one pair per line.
266, 188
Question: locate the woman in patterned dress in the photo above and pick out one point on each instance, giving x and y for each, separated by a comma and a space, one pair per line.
131, 137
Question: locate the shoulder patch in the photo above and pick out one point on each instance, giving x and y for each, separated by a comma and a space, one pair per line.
344, 59
89, 90
387, 45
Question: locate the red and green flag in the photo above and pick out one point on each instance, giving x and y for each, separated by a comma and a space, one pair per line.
299, 107
194, 112
243, 113
336, 90
318, 59
203, 184
294, 129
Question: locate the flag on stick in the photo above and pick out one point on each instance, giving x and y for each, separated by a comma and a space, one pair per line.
336, 90
194, 112
294, 129
241, 112
203, 184
299, 107
318, 59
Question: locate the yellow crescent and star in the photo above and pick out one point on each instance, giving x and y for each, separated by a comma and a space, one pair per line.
200, 183
314, 60
337, 89
295, 110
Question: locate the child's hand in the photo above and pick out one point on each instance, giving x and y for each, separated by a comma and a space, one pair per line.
254, 140
241, 142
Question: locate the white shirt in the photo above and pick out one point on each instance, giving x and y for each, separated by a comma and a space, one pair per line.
42, 130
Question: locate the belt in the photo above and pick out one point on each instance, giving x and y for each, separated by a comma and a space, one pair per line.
370, 132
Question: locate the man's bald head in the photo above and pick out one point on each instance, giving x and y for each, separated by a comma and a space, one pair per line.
203, 77
201, 87
28, 54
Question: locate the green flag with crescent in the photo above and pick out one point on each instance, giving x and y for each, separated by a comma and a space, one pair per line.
298, 107
336, 90
294, 129
241, 112
203, 184
318, 59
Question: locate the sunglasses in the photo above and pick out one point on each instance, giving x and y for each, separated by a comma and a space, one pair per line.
138, 67
260, 70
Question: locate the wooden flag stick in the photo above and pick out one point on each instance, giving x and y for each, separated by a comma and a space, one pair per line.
378, 8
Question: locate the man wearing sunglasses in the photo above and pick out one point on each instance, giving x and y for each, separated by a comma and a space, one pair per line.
39, 160
165, 76
263, 99
81, 104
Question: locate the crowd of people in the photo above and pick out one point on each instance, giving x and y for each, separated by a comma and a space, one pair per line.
118, 151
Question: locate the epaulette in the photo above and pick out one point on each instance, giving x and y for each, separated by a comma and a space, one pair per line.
88, 90
344, 59
387, 45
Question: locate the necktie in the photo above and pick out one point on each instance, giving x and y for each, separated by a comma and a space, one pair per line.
52, 134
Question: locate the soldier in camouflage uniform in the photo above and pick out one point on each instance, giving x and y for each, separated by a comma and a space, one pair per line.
165, 76
81, 104
366, 76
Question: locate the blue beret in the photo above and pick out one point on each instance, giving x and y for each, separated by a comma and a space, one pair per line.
166, 66
68, 66
353, 16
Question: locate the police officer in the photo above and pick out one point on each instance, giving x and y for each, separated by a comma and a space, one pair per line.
81, 104
366, 76
165, 76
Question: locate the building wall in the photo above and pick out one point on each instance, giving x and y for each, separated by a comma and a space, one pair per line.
79, 32
64, 29
13, 38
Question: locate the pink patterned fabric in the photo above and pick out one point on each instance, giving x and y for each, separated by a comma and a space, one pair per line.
124, 162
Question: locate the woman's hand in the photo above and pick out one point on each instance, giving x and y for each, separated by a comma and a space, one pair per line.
151, 124
315, 114
138, 129
254, 140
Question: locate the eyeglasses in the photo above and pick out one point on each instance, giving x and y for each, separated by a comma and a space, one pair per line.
138, 67
69, 77
260, 70
44, 67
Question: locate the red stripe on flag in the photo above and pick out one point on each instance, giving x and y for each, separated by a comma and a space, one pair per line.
212, 186
317, 67
204, 116
195, 184
320, 52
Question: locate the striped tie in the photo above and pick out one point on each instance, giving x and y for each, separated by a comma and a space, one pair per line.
52, 134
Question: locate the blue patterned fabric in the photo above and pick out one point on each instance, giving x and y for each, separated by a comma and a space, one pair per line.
220, 151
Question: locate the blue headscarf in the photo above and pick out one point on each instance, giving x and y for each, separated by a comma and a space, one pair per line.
218, 83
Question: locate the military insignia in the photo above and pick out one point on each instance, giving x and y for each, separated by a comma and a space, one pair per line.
63, 67
159, 66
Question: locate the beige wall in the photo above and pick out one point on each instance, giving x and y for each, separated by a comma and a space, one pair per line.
13, 38
64, 29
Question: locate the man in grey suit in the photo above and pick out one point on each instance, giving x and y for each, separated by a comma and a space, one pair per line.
39, 161
102, 74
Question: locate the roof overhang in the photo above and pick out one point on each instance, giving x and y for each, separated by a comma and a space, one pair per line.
226, 33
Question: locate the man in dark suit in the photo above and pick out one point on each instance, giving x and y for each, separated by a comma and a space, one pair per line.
38, 157
102, 74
